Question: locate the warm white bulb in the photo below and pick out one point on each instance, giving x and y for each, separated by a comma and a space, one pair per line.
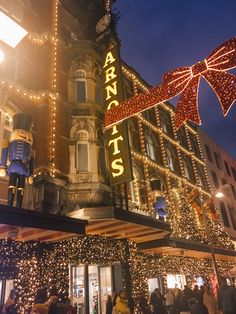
219, 194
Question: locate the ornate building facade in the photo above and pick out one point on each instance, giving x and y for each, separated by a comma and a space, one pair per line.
137, 229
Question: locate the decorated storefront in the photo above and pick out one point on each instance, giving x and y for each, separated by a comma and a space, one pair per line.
88, 268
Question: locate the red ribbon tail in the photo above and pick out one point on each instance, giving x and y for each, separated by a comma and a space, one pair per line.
187, 107
224, 85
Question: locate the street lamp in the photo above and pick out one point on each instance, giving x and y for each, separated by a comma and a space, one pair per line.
218, 194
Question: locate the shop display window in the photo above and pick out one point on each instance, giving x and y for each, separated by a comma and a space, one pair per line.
90, 285
78, 288
176, 281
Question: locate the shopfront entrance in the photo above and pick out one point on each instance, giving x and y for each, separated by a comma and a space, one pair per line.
90, 285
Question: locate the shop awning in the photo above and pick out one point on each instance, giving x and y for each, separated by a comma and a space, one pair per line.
176, 247
27, 225
122, 224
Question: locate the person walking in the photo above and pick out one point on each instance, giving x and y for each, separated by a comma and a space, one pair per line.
122, 305
54, 298
41, 304
226, 298
209, 300
109, 305
169, 300
9, 306
157, 302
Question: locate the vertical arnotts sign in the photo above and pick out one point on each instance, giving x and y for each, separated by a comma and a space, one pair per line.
116, 137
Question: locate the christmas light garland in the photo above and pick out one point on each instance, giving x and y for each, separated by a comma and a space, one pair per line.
34, 264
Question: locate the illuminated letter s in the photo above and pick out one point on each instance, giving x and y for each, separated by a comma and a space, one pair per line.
117, 165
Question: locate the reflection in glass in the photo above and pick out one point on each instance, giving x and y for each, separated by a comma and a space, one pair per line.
78, 291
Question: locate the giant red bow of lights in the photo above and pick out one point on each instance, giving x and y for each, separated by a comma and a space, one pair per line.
185, 81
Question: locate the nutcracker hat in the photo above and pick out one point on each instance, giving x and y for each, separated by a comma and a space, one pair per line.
22, 121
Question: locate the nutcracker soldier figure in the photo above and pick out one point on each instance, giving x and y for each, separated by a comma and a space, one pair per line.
17, 159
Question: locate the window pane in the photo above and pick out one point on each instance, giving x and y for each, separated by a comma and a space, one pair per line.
82, 160
93, 289
227, 168
208, 152
105, 286
218, 161
224, 214
214, 176
78, 289
80, 91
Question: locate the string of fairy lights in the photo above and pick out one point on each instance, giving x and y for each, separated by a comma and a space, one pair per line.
48, 264
138, 85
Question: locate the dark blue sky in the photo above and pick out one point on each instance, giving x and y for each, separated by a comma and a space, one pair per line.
160, 35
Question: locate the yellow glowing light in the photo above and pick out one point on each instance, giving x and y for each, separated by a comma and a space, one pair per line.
10, 32
1, 56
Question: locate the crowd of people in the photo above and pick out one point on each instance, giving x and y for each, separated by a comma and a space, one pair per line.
174, 301
194, 301
44, 303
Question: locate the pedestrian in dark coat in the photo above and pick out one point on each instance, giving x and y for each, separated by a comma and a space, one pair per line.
157, 302
109, 305
226, 298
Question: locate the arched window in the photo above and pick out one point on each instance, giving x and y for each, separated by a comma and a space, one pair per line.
82, 145
80, 86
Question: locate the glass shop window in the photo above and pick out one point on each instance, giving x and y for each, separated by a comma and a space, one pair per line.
90, 285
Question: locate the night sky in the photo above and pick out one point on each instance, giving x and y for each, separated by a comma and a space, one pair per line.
161, 35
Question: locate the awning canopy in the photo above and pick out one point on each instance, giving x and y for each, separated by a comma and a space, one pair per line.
177, 247
26, 225
122, 224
